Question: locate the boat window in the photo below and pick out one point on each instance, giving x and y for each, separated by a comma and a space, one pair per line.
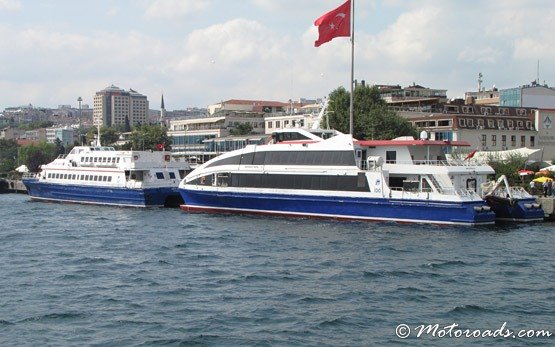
471, 184
390, 157
109, 178
160, 175
172, 175
247, 159
223, 179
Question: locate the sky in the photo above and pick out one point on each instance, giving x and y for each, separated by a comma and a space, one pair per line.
201, 52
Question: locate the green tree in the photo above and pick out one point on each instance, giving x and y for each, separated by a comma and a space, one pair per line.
148, 137
8, 155
372, 119
108, 135
508, 166
241, 129
35, 156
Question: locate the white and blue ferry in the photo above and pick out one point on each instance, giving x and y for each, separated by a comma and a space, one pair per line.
101, 175
402, 180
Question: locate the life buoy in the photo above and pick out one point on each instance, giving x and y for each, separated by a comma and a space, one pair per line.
167, 157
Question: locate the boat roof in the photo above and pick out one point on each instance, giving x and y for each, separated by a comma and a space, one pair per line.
385, 143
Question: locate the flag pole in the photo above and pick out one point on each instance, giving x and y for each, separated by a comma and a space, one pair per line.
352, 64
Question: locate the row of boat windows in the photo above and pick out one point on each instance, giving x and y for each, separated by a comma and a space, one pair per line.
97, 178
279, 181
320, 158
99, 160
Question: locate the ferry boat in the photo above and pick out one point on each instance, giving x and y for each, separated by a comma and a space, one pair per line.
101, 175
301, 174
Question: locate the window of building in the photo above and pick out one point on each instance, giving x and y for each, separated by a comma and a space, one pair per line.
278, 124
470, 122
491, 123
160, 175
532, 141
504, 141
494, 140
528, 125
500, 124
513, 140
462, 122
523, 141
510, 124
484, 140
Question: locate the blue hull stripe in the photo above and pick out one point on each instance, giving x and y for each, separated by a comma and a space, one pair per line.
419, 211
99, 195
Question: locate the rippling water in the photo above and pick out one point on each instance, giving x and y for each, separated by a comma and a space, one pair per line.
76, 274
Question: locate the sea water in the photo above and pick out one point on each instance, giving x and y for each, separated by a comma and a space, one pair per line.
92, 275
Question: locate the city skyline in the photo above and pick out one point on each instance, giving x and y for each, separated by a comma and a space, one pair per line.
201, 52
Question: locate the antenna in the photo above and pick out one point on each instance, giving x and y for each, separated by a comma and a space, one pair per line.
538, 73
480, 81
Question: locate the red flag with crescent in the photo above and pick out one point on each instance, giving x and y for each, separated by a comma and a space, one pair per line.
335, 23
471, 154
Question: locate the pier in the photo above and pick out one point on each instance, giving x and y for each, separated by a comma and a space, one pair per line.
548, 206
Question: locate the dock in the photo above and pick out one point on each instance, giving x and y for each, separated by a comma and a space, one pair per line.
12, 186
548, 206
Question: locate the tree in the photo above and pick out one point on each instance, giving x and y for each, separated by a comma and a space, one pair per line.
241, 129
372, 119
108, 135
8, 155
35, 156
148, 137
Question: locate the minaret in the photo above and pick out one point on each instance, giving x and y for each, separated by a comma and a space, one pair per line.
162, 112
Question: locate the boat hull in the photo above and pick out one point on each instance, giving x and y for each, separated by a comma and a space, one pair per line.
517, 210
148, 197
338, 207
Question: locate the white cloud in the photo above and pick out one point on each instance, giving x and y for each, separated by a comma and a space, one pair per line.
472, 54
174, 9
10, 5
113, 11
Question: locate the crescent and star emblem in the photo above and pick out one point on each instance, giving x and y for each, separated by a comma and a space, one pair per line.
337, 20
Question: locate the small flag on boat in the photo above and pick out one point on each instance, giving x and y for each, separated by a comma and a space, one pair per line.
335, 23
471, 154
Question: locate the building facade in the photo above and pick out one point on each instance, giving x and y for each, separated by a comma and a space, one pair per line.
115, 106
486, 128
65, 135
533, 95
193, 136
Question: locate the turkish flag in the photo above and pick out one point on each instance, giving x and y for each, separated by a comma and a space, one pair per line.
471, 154
160, 146
333, 24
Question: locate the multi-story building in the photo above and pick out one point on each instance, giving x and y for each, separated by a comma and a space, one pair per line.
65, 135
115, 106
415, 97
532, 95
190, 136
486, 128
248, 106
